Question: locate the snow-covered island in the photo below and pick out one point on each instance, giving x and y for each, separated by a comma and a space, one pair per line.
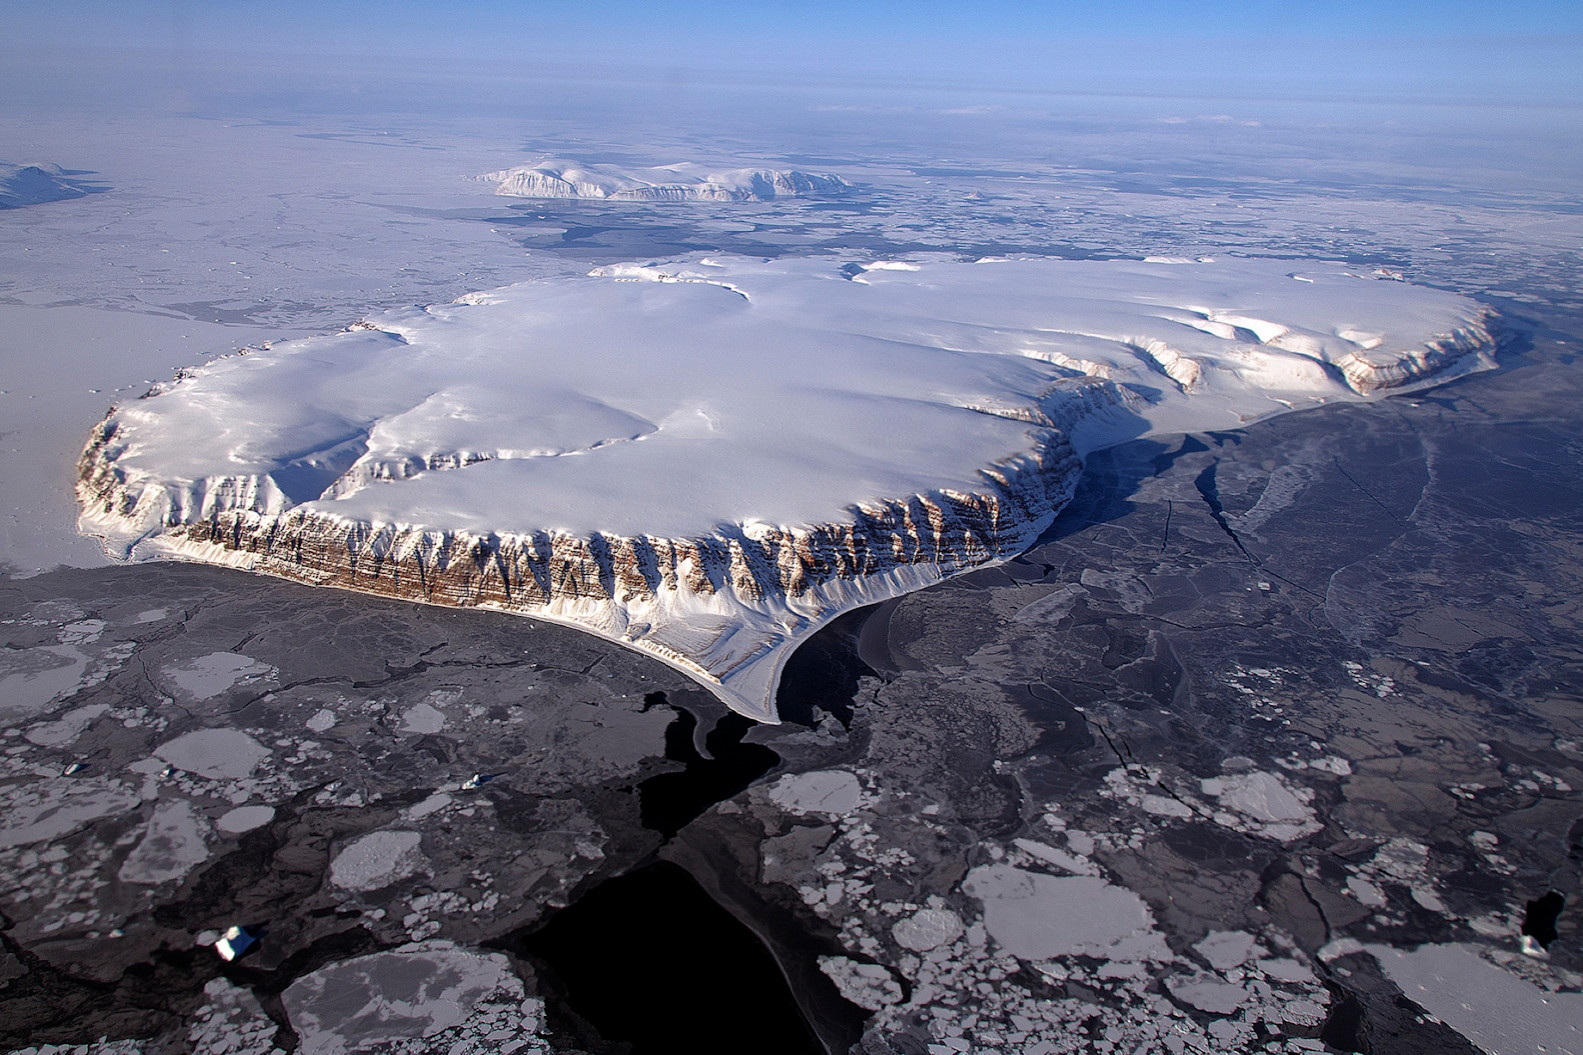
35, 184
709, 460
563, 178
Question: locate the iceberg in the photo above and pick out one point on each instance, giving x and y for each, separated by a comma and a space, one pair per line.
563, 178
707, 460
236, 941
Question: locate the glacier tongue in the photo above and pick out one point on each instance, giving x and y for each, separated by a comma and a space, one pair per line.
708, 460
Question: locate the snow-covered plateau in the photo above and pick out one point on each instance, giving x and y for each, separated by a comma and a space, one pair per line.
708, 460
563, 178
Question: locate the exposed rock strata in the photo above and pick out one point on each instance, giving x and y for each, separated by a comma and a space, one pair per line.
686, 601
1369, 373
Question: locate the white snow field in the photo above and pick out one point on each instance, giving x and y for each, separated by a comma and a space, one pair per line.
708, 460
684, 181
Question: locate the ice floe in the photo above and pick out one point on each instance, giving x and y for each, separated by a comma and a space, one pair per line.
422, 997
376, 860
1500, 1012
218, 754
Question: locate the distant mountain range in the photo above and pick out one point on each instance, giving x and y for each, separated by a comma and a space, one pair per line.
563, 178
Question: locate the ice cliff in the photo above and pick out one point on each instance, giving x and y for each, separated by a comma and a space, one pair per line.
561, 178
709, 460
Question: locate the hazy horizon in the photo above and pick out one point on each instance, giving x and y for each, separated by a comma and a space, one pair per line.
1458, 52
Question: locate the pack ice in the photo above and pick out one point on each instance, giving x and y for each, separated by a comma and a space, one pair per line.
708, 460
684, 181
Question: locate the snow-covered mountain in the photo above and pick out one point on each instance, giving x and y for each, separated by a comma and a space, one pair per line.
34, 184
561, 178
709, 460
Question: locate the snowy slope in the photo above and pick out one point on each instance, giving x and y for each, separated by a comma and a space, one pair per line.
562, 178
709, 460
34, 184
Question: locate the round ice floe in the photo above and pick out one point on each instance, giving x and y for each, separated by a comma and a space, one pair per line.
928, 928
245, 819
31, 679
219, 754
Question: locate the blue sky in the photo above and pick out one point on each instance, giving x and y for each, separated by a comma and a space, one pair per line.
814, 20
1530, 48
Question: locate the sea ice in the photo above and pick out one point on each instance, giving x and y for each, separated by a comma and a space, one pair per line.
834, 792
68, 727
376, 860
868, 985
45, 811
206, 677
709, 460
375, 1001
1208, 993
64, 365
1038, 917
1500, 1012
30, 679
422, 718
1226, 949
173, 844
1265, 803
928, 928
245, 819
219, 754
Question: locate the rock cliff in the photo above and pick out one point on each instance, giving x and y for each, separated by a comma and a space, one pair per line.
712, 605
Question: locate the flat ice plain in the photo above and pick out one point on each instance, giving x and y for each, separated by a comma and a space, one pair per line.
709, 460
